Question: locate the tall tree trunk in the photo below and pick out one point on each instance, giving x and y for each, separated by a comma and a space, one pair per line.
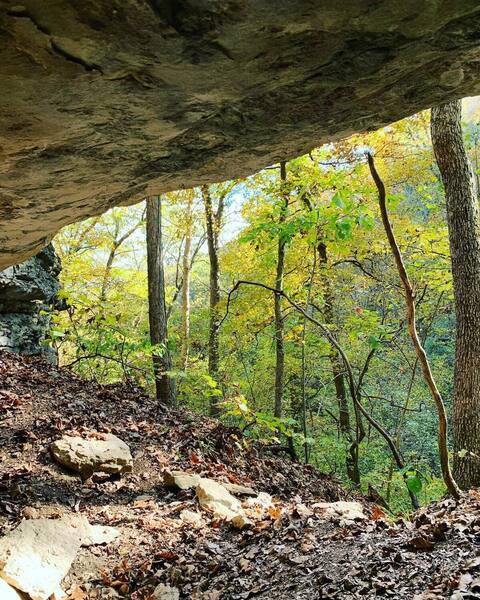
186, 286
353, 471
162, 361
279, 323
464, 232
213, 222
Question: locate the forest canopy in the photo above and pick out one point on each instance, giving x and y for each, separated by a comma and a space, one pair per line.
311, 228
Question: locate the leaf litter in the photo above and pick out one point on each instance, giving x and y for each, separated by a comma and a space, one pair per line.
170, 548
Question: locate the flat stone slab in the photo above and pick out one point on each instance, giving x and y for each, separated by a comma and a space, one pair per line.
36, 556
186, 481
105, 455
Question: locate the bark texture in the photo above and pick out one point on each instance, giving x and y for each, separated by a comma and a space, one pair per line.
105, 102
213, 221
464, 232
162, 362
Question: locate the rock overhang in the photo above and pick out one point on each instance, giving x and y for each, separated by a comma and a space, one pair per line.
105, 102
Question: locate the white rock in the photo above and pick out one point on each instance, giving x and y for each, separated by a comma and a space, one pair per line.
181, 479
37, 555
91, 535
214, 497
109, 455
7, 592
239, 490
99, 534
165, 592
348, 511
191, 517
263, 499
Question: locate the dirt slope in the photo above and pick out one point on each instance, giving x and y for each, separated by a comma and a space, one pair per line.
292, 552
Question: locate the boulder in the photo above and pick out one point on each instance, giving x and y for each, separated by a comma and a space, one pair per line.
27, 293
93, 456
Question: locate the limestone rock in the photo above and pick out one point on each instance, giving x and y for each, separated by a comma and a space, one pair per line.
37, 555
107, 102
58, 594
342, 511
27, 292
239, 490
109, 455
7, 592
185, 481
215, 497
181, 480
192, 518
91, 535
166, 592
262, 500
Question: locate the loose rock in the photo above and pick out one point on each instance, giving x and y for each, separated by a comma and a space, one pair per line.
239, 490
343, 511
89, 456
181, 480
37, 555
165, 592
213, 496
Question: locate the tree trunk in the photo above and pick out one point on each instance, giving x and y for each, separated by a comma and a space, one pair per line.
464, 232
448, 478
186, 287
279, 324
162, 361
353, 471
213, 225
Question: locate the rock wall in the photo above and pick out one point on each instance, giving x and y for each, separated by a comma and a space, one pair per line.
27, 292
105, 101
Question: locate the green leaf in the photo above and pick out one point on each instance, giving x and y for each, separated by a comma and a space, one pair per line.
344, 229
338, 201
414, 483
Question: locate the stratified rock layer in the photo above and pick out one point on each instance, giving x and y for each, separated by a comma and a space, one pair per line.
27, 291
104, 102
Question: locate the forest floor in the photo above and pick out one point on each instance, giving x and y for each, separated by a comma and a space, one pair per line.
292, 552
